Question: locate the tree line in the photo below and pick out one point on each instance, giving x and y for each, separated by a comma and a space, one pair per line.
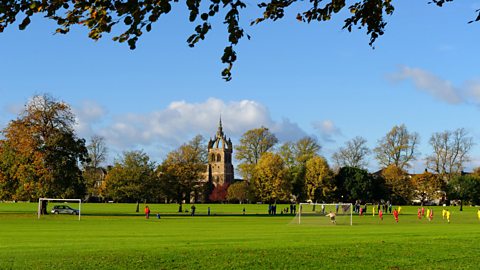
41, 156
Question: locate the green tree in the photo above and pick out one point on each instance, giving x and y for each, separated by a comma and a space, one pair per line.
8, 182
398, 147
132, 178
136, 17
318, 179
41, 152
181, 173
357, 184
295, 155
253, 144
465, 188
270, 180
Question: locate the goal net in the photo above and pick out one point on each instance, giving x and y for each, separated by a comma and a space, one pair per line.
61, 206
324, 214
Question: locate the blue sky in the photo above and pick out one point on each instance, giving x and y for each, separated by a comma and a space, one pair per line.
297, 79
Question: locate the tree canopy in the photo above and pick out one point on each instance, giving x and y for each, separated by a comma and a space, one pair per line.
354, 154
398, 147
181, 172
464, 188
270, 179
131, 18
131, 178
41, 153
253, 144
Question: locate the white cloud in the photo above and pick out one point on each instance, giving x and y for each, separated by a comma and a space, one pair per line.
428, 82
467, 93
328, 130
87, 114
165, 129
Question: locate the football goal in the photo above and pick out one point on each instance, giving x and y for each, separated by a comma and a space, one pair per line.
59, 209
324, 214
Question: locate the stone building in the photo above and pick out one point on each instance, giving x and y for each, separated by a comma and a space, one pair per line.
220, 167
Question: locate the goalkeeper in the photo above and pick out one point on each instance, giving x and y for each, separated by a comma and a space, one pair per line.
332, 217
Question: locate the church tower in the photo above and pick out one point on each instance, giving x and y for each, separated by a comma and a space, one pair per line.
220, 167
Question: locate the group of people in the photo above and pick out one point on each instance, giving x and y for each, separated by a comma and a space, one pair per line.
272, 209
380, 208
429, 213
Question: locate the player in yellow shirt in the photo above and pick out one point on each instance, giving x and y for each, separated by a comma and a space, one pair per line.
478, 214
444, 213
428, 213
447, 214
399, 209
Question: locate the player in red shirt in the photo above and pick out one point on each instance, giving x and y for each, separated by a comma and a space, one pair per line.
419, 213
395, 214
380, 214
147, 212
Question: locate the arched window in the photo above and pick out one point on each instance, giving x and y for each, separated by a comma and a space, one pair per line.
219, 158
212, 158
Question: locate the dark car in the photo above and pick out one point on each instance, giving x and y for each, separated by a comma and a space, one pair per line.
64, 209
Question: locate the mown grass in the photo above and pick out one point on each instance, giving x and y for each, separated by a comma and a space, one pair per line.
113, 236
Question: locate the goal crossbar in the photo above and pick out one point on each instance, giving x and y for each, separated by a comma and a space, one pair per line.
347, 208
40, 200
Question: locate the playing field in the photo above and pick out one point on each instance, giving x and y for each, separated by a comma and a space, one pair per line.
113, 236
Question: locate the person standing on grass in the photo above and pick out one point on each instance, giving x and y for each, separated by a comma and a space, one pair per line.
419, 213
380, 214
478, 214
444, 213
423, 211
373, 210
193, 210
395, 214
430, 217
447, 215
147, 212
332, 217
428, 213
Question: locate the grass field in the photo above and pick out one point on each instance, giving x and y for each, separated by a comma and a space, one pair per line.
113, 236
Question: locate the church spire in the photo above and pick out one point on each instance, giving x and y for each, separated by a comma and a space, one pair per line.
220, 128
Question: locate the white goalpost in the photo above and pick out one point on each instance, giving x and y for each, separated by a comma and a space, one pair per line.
42, 200
324, 214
